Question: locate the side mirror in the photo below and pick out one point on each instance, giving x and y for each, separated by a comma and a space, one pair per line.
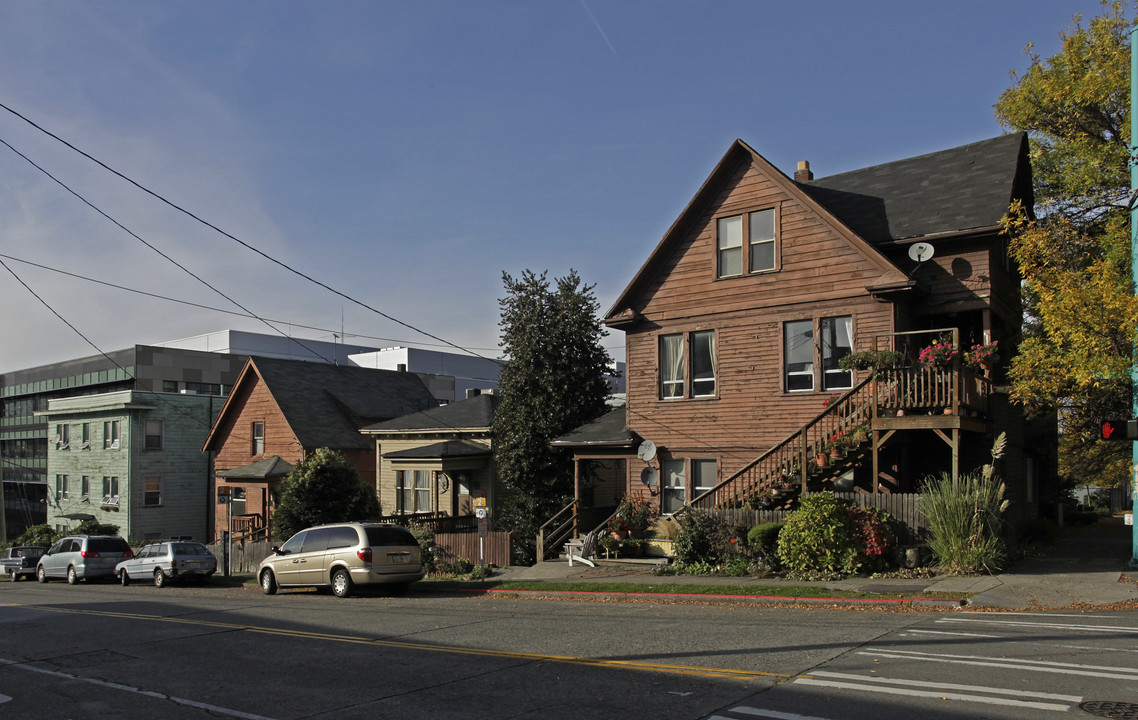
277, 550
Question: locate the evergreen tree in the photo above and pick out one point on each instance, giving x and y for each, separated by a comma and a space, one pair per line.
1075, 356
553, 381
323, 488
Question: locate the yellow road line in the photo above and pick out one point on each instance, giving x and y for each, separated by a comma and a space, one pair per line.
694, 670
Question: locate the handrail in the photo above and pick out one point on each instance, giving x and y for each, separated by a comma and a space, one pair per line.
900, 390
544, 540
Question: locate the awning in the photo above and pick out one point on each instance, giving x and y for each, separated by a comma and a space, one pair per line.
77, 516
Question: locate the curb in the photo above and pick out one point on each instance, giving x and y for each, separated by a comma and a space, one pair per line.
781, 599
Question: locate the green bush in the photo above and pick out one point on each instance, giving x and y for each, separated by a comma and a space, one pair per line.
762, 540
818, 539
425, 536
873, 537
41, 535
697, 540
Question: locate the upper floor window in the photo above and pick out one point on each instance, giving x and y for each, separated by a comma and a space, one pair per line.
152, 491
802, 356
111, 435
258, 438
695, 350
62, 436
757, 254
153, 434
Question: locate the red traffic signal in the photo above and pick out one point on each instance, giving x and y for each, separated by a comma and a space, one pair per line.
1119, 429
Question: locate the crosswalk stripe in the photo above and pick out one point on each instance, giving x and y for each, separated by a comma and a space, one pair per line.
1008, 702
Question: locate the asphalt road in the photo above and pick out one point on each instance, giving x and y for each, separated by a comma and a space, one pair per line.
101, 651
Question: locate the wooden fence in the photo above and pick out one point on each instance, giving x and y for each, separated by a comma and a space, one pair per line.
903, 507
246, 556
453, 546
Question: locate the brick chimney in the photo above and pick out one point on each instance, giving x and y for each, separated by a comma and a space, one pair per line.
803, 174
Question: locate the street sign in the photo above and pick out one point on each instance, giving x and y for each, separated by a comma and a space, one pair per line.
1119, 429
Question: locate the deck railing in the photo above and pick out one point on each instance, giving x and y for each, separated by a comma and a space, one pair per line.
889, 392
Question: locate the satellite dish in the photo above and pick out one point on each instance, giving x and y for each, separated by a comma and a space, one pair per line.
649, 476
919, 252
646, 451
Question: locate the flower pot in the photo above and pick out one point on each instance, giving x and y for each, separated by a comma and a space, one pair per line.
821, 460
836, 453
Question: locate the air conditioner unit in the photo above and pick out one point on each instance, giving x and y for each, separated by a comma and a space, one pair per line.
115, 445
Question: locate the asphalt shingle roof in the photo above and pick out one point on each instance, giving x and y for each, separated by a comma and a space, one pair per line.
475, 412
963, 188
326, 405
610, 429
440, 450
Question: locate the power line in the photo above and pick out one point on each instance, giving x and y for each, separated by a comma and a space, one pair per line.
215, 309
235, 239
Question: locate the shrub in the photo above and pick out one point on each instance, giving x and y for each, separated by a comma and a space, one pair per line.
94, 527
762, 540
873, 537
425, 536
41, 535
965, 519
696, 541
459, 566
817, 539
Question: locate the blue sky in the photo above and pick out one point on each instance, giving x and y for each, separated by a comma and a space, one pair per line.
407, 154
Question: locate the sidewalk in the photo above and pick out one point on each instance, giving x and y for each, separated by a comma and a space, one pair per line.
1087, 567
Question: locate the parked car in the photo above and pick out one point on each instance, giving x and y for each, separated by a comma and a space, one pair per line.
167, 562
82, 557
20, 561
344, 555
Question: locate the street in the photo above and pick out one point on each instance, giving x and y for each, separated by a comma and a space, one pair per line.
101, 650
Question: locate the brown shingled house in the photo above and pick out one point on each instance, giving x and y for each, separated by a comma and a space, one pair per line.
737, 322
279, 411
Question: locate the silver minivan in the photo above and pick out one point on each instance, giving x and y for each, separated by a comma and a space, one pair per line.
82, 557
343, 555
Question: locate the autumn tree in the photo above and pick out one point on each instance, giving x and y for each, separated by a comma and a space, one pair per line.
323, 488
553, 381
1074, 250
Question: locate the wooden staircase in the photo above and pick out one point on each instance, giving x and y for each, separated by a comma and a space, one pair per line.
891, 399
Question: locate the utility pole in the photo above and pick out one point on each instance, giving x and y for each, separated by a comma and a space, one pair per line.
1133, 287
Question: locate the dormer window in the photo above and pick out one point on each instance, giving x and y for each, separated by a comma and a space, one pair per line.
757, 254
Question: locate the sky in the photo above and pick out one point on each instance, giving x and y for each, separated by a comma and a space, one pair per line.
406, 155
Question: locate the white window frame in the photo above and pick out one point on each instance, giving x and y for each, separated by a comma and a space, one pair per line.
831, 330
681, 365
61, 488
152, 497
736, 258
111, 435
258, 434
792, 354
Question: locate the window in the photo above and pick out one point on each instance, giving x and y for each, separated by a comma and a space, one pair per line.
671, 366
60, 487
258, 438
111, 435
758, 254
85, 487
152, 491
798, 351
801, 357
413, 491
703, 476
674, 486
153, 429
110, 490
674, 361
170, 386
85, 432
837, 342
62, 436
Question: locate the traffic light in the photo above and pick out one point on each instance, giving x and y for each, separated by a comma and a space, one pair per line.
1119, 429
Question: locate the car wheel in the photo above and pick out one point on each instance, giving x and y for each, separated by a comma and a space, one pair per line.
341, 583
72, 576
124, 578
41, 574
14, 575
268, 582
160, 578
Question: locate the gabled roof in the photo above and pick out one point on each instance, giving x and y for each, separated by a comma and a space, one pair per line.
957, 190
954, 191
441, 450
471, 414
609, 430
325, 405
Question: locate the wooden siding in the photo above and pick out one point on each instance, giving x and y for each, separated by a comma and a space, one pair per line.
478, 469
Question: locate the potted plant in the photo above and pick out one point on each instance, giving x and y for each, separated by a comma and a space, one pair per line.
981, 358
632, 518
872, 360
938, 354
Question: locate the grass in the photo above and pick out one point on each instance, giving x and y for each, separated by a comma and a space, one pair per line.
617, 588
